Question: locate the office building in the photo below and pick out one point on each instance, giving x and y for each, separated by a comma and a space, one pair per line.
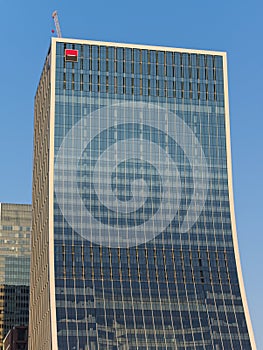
134, 243
15, 232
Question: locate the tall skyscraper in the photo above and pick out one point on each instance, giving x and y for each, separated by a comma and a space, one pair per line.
15, 232
134, 240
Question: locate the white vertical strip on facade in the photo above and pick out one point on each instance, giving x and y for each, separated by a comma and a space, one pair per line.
232, 210
53, 316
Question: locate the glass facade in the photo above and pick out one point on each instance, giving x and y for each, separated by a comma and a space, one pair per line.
144, 256
15, 233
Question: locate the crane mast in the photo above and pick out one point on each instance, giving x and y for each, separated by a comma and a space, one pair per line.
55, 17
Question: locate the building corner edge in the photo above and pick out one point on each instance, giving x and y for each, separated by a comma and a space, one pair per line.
53, 320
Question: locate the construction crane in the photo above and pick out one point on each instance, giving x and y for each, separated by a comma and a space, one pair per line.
55, 17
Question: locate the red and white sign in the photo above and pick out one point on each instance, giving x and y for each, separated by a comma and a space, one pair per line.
71, 55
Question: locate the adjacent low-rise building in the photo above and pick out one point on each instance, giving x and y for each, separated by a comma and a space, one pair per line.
15, 234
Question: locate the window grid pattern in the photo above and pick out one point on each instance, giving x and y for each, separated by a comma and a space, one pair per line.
15, 235
142, 72
179, 290
39, 314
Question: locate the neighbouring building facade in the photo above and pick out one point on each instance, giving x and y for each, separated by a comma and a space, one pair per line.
15, 235
134, 243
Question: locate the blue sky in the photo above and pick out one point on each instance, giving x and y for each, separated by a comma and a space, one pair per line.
232, 26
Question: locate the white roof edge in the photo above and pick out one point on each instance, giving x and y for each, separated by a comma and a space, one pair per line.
138, 46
